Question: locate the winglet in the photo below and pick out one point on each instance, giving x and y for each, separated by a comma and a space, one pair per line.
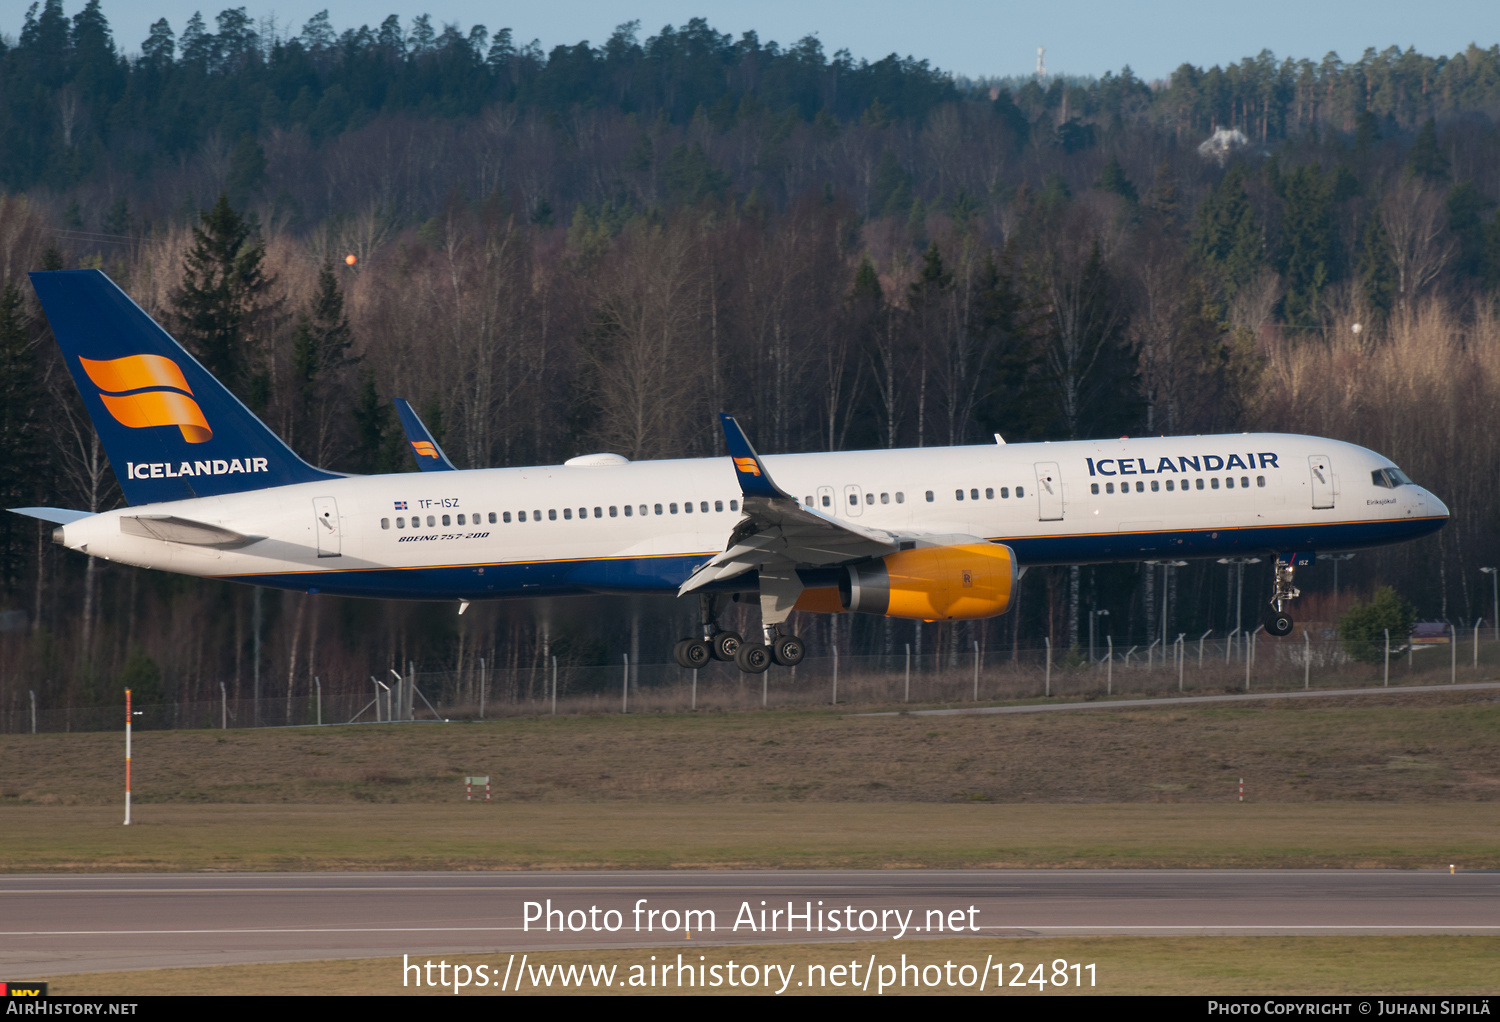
755, 481
430, 457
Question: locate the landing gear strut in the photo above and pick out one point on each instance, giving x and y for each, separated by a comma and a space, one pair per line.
1279, 621
712, 643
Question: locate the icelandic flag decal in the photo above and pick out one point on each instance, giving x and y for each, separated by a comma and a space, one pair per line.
400, 505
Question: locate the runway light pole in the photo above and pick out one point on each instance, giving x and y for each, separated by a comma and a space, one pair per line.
128, 716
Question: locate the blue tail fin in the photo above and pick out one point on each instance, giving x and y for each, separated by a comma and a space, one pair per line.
424, 446
170, 429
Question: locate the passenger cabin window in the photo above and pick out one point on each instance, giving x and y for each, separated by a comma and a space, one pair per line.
719, 505
552, 514
1109, 487
628, 510
958, 494
673, 508
1199, 484
644, 511
869, 498
1169, 486
703, 507
1229, 482
613, 510
1005, 492
687, 507
929, 496
1260, 481
827, 500
1155, 486
568, 513
385, 523
506, 517
734, 505
658, 509
1020, 492
1093, 487
492, 518
1214, 483
885, 498
900, 498
853, 499
989, 493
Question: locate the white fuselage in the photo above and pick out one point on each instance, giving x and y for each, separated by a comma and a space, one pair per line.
354, 536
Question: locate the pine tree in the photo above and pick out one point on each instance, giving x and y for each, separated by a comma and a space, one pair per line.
1307, 242
320, 353
20, 429
1227, 235
1426, 160
1377, 273
1113, 180
222, 290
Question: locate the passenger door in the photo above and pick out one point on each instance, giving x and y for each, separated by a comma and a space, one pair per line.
1049, 492
1322, 480
327, 525
854, 501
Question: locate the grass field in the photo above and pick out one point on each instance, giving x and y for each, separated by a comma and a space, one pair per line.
1277, 966
1403, 747
771, 836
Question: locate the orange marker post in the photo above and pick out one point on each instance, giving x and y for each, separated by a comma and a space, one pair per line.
127, 757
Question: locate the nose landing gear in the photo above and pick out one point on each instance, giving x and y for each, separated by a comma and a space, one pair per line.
1279, 621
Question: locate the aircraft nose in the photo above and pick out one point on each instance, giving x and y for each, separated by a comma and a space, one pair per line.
1435, 507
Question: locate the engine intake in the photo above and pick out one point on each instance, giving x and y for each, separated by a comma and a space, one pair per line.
963, 582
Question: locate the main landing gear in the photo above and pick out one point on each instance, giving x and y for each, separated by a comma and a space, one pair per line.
726, 646
1279, 621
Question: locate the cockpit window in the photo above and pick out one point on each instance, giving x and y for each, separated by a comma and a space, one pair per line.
1389, 478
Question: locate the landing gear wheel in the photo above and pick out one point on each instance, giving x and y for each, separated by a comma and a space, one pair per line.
691, 653
753, 659
724, 645
788, 651
1279, 623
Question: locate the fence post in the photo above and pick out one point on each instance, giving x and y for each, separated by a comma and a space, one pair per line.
907, 697
1047, 689
835, 676
1109, 670
976, 670
1387, 658
1476, 642
1453, 655
33, 710
1181, 656
765, 688
625, 689
1306, 659
694, 704
319, 683
484, 678
1229, 642
1249, 657
554, 686
1200, 647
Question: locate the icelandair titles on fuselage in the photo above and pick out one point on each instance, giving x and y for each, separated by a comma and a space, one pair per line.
1197, 463
217, 467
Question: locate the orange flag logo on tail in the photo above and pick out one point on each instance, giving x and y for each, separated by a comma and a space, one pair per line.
747, 465
135, 391
424, 448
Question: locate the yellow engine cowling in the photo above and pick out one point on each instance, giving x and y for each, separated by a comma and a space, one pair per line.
963, 582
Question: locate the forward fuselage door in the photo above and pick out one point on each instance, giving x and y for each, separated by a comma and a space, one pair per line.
854, 501
1049, 492
1322, 480
328, 527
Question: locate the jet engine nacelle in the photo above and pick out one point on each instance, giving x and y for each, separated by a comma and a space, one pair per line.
962, 582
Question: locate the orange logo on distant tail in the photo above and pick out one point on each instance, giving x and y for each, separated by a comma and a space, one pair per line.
747, 465
424, 448
154, 407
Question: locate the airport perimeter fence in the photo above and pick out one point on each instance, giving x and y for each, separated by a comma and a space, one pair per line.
1190, 666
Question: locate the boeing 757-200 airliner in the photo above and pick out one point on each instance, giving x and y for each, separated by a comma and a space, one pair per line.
928, 534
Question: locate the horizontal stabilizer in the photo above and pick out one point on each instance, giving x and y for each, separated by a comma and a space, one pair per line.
424, 446
171, 529
56, 515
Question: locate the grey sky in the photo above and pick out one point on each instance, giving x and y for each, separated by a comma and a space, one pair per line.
963, 36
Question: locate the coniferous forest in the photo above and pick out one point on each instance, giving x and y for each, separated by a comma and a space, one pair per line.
598, 247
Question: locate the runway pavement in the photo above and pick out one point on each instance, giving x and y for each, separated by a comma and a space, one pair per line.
58, 924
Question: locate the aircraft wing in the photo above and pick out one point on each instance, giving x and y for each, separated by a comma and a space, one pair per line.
430, 457
779, 530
